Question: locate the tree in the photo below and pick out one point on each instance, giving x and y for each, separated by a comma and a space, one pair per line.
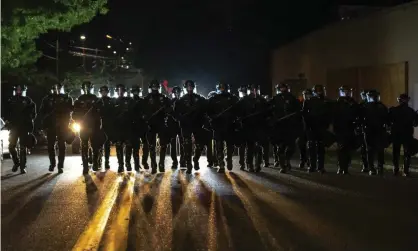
23, 21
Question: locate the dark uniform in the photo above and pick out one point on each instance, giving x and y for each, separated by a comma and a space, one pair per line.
220, 110
86, 114
303, 140
346, 113
156, 108
402, 119
124, 120
210, 142
252, 111
241, 136
287, 124
317, 115
375, 125
363, 149
105, 106
19, 119
175, 131
190, 111
56, 109
139, 129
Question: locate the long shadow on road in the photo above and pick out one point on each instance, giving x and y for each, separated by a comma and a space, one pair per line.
15, 225
278, 233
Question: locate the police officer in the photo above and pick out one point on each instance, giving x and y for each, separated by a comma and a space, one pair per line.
302, 141
139, 129
19, 119
190, 111
87, 115
375, 125
221, 112
157, 106
56, 109
124, 119
345, 119
174, 128
210, 142
317, 115
403, 119
287, 124
241, 142
106, 109
363, 149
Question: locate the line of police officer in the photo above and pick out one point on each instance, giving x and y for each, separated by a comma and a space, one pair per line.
249, 122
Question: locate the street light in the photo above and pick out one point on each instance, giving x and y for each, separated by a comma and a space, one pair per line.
122, 58
114, 52
130, 43
127, 49
82, 37
109, 46
108, 36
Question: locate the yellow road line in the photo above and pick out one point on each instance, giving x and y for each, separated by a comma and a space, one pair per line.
212, 226
90, 238
116, 238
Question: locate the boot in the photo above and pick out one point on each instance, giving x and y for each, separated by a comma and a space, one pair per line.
136, 163
395, 170
161, 167
251, 168
119, 155
153, 166
229, 164
196, 165
189, 168
107, 165
61, 163
372, 171
16, 162
23, 160
221, 167
301, 165
52, 163
175, 165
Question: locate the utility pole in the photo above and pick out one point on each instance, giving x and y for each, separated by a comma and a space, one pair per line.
57, 59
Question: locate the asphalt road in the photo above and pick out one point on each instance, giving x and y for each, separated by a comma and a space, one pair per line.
205, 210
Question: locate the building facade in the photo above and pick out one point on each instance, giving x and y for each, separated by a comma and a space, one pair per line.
379, 51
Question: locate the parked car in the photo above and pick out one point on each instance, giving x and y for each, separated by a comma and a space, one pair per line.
4, 139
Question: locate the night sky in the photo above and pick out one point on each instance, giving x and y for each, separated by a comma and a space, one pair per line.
209, 41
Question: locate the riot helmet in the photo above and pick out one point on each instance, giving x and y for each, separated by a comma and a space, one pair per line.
345, 91
307, 94
254, 90
189, 87
403, 98
19, 90
373, 96
104, 91
243, 91
363, 95
136, 91
87, 88
154, 86
282, 88
319, 91
176, 92
121, 90
57, 88
221, 87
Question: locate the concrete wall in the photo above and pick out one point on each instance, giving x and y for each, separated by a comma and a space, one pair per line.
389, 36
